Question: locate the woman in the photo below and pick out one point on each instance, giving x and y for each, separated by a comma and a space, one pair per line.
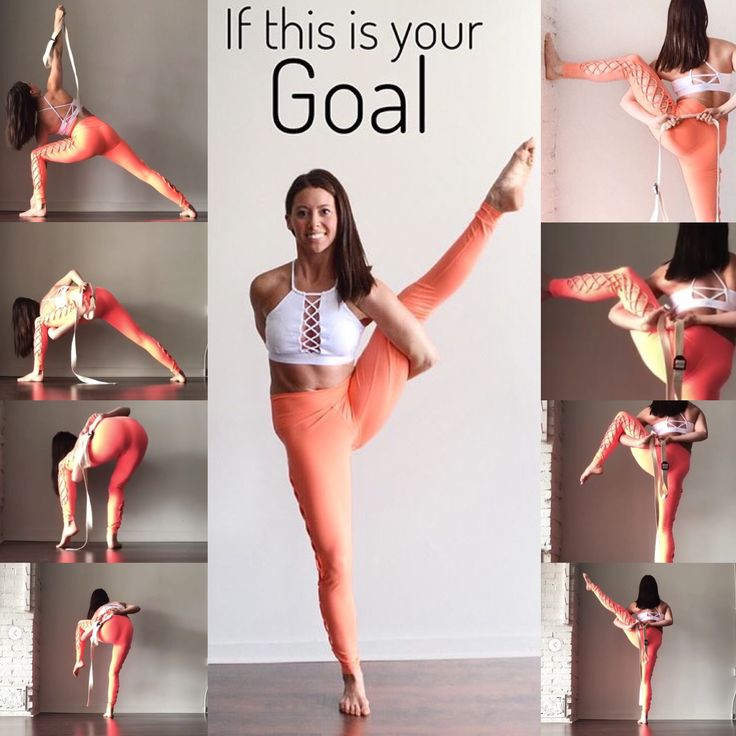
107, 623
673, 425
642, 622
106, 437
72, 300
700, 282
310, 314
30, 112
699, 69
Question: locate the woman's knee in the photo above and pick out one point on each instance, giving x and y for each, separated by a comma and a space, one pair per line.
335, 568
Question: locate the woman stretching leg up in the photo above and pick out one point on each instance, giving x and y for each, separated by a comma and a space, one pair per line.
311, 314
642, 622
679, 423
31, 113
700, 70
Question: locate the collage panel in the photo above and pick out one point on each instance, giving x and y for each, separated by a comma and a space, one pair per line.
126, 82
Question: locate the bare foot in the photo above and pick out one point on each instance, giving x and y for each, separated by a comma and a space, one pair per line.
112, 541
78, 666
507, 192
588, 582
592, 469
643, 720
31, 377
552, 61
354, 701
189, 213
67, 533
178, 378
37, 209
109, 712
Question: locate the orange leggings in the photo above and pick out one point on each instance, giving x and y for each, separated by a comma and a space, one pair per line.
692, 141
90, 137
709, 354
679, 461
320, 429
647, 639
118, 631
119, 439
109, 309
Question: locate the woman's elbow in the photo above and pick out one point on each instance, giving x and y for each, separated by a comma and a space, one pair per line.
422, 361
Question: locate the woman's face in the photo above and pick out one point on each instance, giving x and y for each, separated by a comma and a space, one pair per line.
313, 220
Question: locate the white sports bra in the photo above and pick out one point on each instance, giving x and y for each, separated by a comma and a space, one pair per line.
668, 425
693, 84
312, 328
650, 614
714, 297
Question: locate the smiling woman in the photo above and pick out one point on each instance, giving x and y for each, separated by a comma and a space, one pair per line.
311, 313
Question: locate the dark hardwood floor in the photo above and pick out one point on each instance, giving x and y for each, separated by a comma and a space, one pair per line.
98, 552
168, 216
82, 724
122, 389
491, 697
630, 728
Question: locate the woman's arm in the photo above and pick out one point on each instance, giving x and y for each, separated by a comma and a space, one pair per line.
621, 317
120, 411
654, 122
720, 319
69, 278
56, 332
128, 609
400, 326
55, 81
667, 621
699, 433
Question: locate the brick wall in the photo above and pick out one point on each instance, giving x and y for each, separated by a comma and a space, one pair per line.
19, 638
551, 452
559, 643
549, 124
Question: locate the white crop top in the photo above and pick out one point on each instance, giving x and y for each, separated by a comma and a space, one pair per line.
312, 328
650, 614
668, 425
693, 84
63, 296
714, 297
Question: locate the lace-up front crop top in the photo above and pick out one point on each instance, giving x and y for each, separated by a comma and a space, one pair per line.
693, 84
713, 297
312, 328
670, 425
649, 614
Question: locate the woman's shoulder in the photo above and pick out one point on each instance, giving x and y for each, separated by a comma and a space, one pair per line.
270, 286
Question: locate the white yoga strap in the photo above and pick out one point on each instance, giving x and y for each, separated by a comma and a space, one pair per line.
660, 467
91, 679
83, 379
47, 57
676, 365
659, 214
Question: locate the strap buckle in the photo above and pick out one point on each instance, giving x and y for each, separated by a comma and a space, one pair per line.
679, 363
665, 465
655, 187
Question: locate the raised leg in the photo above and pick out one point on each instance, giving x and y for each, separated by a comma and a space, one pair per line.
110, 309
124, 156
621, 613
623, 423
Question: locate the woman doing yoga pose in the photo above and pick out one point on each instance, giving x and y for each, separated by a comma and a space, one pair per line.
71, 301
108, 437
660, 435
642, 622
700, 283
107, 622
31, 113
311, 314
700, 70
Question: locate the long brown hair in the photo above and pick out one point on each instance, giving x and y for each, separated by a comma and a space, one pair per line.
20, 109
354, 278
25, 312
62, 443
686, 41
701, 247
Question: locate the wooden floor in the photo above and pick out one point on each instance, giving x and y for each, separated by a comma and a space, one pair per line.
123, 389
492, 697
75, 724
630, 728
98, 552
168, 216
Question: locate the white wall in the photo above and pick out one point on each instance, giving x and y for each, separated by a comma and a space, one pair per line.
165, 500
606, 160
157, 273
611, 517
692, 678
584, 356
434, 493
143, 69
165, 671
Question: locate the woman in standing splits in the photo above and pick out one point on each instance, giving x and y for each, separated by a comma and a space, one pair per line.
700, 283
31, 113
107, 622
111, 436
700, 70
325, 405
72, 300
674, 424
642, 622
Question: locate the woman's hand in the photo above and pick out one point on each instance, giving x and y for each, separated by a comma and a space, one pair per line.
664, 123
78, 666
688, 320
59, 18
648, 322
711, 115
641, 442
